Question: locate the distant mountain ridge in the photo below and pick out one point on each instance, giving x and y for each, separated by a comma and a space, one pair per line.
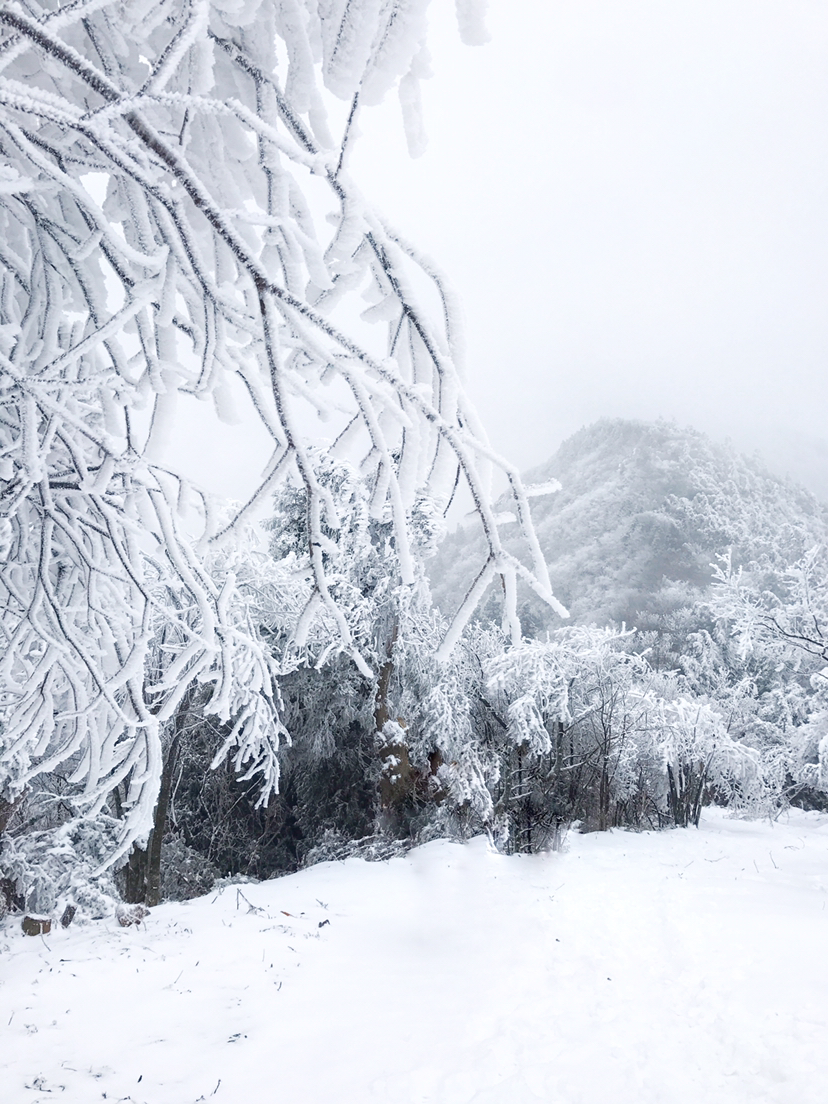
644, 509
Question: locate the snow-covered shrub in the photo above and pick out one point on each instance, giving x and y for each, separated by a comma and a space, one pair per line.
185, 873
59, 867
567, 715
591, 732
681, 755
332, 846
774, 616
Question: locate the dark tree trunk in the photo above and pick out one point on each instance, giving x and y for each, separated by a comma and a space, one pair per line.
135, 888
153, 883
143, 872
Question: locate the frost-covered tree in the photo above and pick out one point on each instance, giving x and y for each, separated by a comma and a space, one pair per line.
774, 616
177, 219
783, 607
591, 731
369, 763
412, 724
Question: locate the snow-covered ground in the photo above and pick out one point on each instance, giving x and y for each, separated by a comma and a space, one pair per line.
683, 967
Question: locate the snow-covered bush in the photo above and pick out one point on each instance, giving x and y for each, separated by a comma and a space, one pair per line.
591, 733
775, 617
185, 873
60, 867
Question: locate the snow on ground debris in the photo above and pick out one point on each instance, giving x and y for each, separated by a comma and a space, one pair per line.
660, 968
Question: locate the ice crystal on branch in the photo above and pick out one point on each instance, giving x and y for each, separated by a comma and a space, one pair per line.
204, 266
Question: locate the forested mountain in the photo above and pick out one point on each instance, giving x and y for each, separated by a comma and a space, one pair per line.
643, 510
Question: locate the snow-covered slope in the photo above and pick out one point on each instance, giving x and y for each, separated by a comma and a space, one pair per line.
671, 968
643, 510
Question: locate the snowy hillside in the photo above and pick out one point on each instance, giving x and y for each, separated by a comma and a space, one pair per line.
643, 509
656, 968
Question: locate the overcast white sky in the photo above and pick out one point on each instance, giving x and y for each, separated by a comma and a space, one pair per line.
631, 197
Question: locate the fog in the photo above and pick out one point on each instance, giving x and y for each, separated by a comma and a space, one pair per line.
630, 198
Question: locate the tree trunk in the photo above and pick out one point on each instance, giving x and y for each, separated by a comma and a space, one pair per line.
135, 889
153, 884
143, 873
396, 781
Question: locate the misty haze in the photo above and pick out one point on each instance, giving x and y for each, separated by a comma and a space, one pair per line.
413, 572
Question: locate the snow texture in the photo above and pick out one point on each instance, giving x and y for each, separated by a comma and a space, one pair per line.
653, 968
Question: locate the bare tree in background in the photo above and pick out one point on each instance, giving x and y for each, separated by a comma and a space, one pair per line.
205, 268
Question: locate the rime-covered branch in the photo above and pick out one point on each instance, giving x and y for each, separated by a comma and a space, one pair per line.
162, 233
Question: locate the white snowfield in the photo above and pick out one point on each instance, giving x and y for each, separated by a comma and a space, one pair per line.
681, 967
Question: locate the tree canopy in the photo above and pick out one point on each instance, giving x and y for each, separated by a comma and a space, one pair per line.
177, 219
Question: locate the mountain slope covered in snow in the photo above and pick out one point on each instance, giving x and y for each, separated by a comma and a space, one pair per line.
643, 510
